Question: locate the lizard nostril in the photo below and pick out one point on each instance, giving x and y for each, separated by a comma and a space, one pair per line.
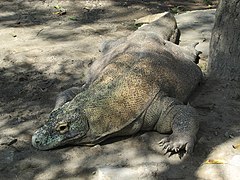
35, 141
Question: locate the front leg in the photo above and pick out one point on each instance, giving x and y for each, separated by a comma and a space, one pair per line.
184, 125
67, 95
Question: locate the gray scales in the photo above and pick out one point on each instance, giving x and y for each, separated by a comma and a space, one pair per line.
140, 83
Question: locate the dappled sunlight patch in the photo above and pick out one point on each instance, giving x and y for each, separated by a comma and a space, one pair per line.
50, 173
141, 171
223, 162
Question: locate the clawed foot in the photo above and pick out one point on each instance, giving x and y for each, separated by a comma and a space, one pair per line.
182, 145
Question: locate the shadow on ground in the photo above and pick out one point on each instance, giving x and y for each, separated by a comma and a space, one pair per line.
32, 13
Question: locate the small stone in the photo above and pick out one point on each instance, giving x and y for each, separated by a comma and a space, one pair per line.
184, 167
17, 120
231, 136
226, 134
96, 146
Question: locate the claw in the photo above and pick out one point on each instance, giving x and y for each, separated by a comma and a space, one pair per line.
160, 143
167, 150
171, 153
166, 144
176, 149
164, 140
177, 145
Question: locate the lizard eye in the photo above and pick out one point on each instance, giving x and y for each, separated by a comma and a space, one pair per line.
62, 127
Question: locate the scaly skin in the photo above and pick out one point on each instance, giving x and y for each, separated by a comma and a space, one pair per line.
139, 84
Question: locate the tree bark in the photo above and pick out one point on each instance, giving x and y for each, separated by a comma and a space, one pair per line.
224, 55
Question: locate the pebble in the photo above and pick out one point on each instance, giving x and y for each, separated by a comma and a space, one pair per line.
228, 135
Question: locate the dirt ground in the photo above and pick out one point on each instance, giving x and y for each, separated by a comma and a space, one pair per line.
46, 46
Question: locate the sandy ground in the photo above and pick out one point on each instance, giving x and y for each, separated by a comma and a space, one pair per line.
44, 52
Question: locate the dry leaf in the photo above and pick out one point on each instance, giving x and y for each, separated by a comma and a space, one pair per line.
237, 146
214, 161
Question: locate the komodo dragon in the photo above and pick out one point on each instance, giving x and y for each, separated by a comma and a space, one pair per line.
140, 83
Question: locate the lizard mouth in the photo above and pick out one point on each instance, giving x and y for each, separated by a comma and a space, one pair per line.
42, 141
38, 142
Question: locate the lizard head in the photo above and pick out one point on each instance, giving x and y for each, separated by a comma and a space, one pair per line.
62, 127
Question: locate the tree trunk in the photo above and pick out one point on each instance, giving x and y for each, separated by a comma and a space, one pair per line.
224, 55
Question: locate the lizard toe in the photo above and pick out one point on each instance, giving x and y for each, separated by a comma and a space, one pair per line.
163, 141
176, 143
